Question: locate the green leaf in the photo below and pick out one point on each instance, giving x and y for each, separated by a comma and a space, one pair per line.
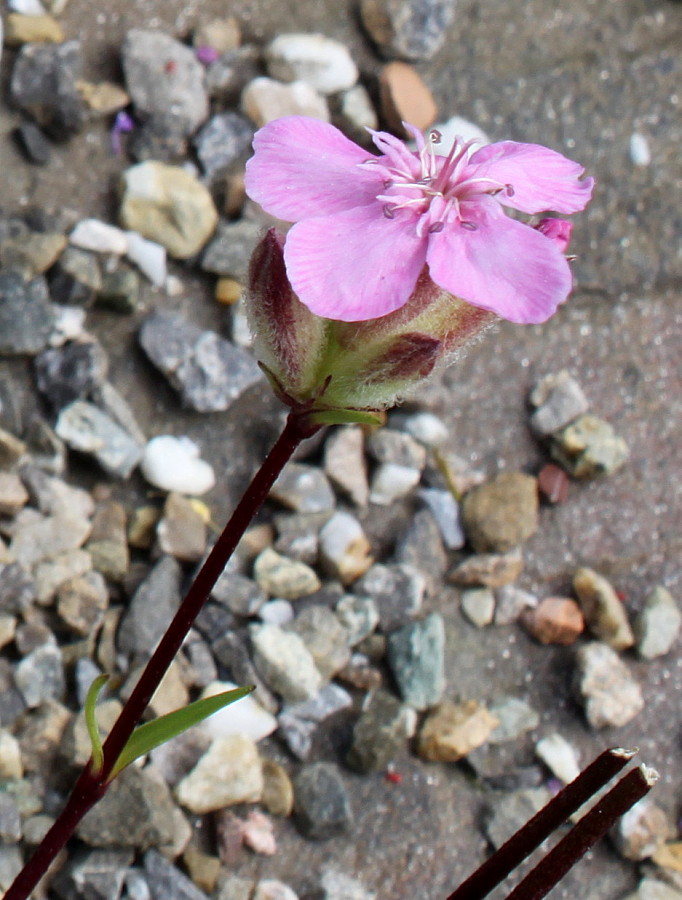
160, 730
91, 721
345, 417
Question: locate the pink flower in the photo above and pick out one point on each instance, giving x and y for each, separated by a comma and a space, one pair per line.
366, 227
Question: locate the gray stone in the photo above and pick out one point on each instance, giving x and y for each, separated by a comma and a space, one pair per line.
420, 547
171, 90
304, 489
510, 811
33, 253
344, 463
37, 537
515, 717
397, 590
384, 726
137, 811
222, 141
241, 595
166, 882
321, 804
358, 615
34, 143
230, 651
297, 535
654, 889
589, 447
604, 613
610, 694
208, 371
40, 675
445, 510
558, 400
231, 72
321, 62
11, 863
94, 875
355, 113
658, 624
490, 569
389, 446
70, 372
229, 251
641, 831
340, 886
26, 315
408, 29
84, 427
502, 513
181, 531
285, 662
10, 820
279, 576
152, 607
325, 637
82, 602
108, 544
511, 602
298, 721
120, 290
416, 657
44, 85
75, 277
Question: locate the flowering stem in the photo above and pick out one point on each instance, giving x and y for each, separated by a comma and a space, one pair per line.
92, 785
522, 843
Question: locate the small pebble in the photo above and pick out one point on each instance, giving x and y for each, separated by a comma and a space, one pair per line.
640, 831
405, 97
502, 513
321, 803
553, 483
488, 569
408, 29
451, 731
265, 99
555, 620
92, 234
173, 464
589, 447
559, 756
344, 463
657, 626
344, 548
279, 576
446, 512
604, 612
478, 605
319, 61
515, 717
229, 772
640, 152
558, 400
511, 603
416, 658
148, 256
285, 663
610, 693
245, 716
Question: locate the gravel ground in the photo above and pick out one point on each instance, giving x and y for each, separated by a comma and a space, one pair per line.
582, 80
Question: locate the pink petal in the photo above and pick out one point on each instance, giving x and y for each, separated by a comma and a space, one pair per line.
303, 167
503, 266
354, 265
541, 179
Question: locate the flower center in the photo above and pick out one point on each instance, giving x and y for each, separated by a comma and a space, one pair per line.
436, 190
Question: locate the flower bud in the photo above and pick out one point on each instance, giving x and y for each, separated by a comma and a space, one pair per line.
557, 230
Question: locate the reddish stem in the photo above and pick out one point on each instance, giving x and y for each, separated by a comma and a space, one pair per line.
91, 787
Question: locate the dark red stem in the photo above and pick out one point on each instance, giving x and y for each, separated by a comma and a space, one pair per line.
91, 787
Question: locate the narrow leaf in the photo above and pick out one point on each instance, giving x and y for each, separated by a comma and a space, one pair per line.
91, 721
160, 730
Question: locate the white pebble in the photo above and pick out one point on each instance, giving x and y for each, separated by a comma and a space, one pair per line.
640, 153
245, 716
424, 427
27, 7
321, 62
68, 324
92, 234
391, 482
276, 612
173, 464
559, 756
457, 127
148, 256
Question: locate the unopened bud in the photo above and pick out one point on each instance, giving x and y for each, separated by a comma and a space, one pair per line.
557, 230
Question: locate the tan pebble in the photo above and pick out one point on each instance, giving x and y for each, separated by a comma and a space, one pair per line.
235, 195
669, 856
278, 793
454, 729
555, 620
488, 569
142, 527
604, 613
202, 868
103, 97
228, 291
405, 98
222, 35
20, 29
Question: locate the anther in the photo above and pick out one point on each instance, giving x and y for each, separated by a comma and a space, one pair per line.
389, 211
435, 136
509, 190
470, 226
436, 227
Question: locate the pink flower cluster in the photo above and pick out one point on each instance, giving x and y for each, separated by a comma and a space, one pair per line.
365, 226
